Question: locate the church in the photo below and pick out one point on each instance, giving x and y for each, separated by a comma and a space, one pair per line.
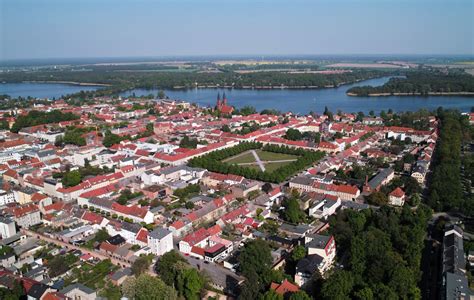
222, 106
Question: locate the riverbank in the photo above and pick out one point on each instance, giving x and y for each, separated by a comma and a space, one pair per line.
467, 94
70, 82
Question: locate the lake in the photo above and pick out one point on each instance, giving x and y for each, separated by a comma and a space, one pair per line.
42, 90
305, 100
296, 100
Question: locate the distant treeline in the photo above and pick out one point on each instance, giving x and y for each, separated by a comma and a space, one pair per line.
420, 83
121, 81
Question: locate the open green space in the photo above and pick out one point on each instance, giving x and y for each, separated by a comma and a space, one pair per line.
271, 156
243, 158
280, 162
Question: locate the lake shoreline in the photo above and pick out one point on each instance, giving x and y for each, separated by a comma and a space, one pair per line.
69, 82
468, 94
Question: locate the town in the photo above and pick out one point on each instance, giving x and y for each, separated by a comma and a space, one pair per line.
123, 196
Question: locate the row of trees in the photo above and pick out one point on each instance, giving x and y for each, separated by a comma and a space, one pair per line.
382, 253
446, 190
213, 162
36, 117
422, 83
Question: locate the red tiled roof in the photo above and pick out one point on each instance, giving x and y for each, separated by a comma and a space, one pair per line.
284, 287
92, 217
142, 235
196, 237
398, 192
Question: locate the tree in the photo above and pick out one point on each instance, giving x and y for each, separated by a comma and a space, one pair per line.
377, 198
364, 294
189, 283
140, 265
299, 295
166, 266
146, 287
299, 252
267, 187
101, 235
272, 295
110, 139
189, 205
256, 262
225, 128
161, 94
71, 178
293, 212
293, 135
338, 285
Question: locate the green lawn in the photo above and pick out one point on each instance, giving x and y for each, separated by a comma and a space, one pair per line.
270, 156
270, 167
246, 157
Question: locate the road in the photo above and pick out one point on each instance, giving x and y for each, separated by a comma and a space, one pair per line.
93, 253
257, 159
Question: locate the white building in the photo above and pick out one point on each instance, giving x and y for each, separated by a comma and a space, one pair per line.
6, 197
7, 227
160, 241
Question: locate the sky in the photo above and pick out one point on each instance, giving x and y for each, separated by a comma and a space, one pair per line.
133, 28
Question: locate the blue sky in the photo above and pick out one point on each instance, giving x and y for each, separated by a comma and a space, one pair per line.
118, 28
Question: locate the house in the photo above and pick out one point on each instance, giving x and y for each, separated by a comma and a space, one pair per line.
78, 291
160, 241
7, 227
118, 277
27, 215
383, 177
198, 238
306, 267
455, 284
284, 288
396, 197
324, 206
321, 256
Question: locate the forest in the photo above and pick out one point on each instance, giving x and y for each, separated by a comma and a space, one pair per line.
120, 81
381, 252
35, 117
420, 83
446, 188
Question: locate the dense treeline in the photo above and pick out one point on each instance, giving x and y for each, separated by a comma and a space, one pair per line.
381, 253
35, 117
446, 189
213, 162
121, 81
422, 83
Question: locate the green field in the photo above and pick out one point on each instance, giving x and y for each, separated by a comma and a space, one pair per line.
242, 158
271, 156
270, 160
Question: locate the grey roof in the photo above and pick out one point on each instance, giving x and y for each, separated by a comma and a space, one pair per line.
317, 241
6, 220
354, 205
159, 233
381, 176
297, 229
456, 286
46, 153
132, 227
309, 264
78, 286
121, 273
454, 260
37, 290
303, 180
